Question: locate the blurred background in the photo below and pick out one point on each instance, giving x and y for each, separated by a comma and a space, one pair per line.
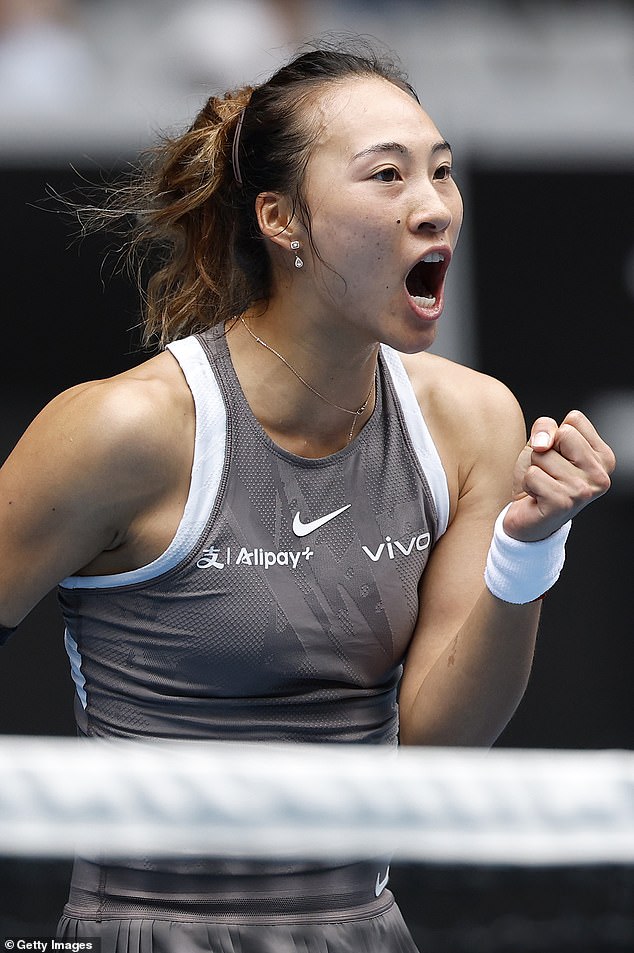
537, 99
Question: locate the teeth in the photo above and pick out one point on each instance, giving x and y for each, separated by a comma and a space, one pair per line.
433, 258
423, 302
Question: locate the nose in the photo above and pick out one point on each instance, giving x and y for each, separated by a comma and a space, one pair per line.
433, 211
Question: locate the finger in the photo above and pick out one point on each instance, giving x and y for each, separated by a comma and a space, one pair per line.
595, 465
570, 444
578, 420
542, 510
547, 489
570, 476
556, 463
543, 433
549, 460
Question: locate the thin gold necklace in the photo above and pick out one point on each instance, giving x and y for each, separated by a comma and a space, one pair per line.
355, 413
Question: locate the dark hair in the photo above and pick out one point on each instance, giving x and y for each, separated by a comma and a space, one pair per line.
189, 206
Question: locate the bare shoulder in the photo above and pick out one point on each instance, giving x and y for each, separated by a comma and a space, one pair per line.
119, 426
134, 399
475, 420
466, 401
98, 482
143, 400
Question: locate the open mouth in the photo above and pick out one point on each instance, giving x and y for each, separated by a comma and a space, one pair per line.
424, 280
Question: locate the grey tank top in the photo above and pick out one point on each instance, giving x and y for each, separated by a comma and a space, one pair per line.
284, 606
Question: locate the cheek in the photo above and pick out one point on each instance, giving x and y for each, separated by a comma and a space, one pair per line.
356, 245
373, 240
358, 248
457, 213
369, 261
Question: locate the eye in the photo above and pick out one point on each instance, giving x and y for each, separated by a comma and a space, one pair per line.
443, 172
389, 174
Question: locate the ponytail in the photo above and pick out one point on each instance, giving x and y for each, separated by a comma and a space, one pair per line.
187, 210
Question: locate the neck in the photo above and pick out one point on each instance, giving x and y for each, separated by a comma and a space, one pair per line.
310, 397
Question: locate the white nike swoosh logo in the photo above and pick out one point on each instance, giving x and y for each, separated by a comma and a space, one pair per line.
304, 529
381, 884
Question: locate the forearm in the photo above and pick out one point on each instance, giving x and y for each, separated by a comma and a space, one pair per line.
470, 693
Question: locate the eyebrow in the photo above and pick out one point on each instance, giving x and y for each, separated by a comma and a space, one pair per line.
442, 146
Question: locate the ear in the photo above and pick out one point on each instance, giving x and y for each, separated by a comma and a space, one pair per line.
274, 213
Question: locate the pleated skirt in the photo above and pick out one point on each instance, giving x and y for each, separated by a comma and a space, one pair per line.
234, 907
382, 932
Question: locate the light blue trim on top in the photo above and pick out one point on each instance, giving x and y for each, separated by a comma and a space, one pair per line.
209, 456
74, 657
420, 436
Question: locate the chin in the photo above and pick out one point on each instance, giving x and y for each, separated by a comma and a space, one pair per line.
413, 342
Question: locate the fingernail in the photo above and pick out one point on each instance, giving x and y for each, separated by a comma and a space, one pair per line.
541, 440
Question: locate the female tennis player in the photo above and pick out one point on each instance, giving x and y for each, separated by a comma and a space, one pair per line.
292, 524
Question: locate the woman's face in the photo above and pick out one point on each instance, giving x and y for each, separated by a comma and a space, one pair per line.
385, 214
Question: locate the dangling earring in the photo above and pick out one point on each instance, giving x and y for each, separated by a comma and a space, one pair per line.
298, 261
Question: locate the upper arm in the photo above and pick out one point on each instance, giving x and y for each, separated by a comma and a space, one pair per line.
483, 433
70, 488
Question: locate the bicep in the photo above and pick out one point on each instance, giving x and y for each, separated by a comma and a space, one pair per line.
48, 527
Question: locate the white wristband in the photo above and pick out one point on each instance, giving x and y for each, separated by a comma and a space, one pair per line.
521, 572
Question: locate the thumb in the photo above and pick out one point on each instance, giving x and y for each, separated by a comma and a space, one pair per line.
543, 434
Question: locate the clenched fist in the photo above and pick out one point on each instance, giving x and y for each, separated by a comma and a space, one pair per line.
560, 470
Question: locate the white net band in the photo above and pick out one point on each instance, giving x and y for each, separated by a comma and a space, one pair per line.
297, 801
